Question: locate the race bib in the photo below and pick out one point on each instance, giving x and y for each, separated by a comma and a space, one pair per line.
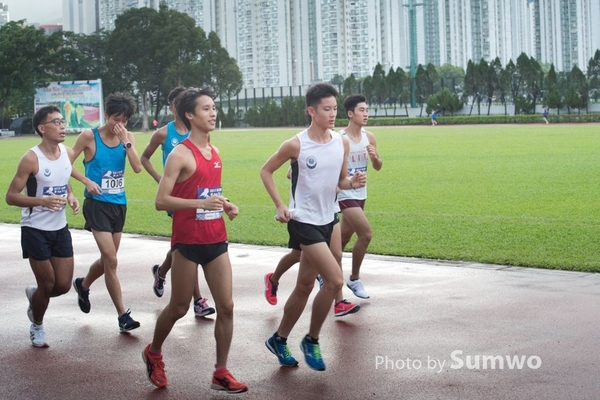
113, 182
206, 215
61, 191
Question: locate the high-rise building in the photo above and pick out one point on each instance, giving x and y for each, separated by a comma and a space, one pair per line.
569, 33
4, 18
109, 10
81, 16
295, 42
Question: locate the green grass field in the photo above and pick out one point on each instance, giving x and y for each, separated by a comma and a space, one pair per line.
516, 195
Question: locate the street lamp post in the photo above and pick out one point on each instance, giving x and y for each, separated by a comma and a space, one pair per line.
412, 30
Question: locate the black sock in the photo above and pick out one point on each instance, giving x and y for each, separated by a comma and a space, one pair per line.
311, 339
280, 339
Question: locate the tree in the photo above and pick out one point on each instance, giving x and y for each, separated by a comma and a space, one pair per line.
133, 48
532, 75
392, 88
502, 81
470, 83
86, 57
424, 79
593, 74
368, 89
337, 80
379, 88
25, 61
515, 82
489, 80
179, 43
350, 85
444, 101
451, 76
553, 99
577, 81
220, 71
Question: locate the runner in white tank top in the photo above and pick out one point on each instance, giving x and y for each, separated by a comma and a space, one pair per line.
52, 179
314, 179
352, 202
317, 170
41, 188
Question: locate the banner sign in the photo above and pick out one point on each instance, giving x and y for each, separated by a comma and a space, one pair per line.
81, 102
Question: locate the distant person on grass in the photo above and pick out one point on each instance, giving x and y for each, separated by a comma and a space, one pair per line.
434, 115
41, 187
545, 114
318, 158
191, 188
363, 148
105, 150
168, 137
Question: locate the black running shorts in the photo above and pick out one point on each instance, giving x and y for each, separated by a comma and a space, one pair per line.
307, 234
201, 254
41, 245
104, 217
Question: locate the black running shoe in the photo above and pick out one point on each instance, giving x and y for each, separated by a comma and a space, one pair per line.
159, 282
83, 295
126, 323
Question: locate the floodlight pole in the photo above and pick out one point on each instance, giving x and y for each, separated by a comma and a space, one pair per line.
412, 30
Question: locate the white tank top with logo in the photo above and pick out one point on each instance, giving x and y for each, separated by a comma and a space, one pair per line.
52, 179
314, 179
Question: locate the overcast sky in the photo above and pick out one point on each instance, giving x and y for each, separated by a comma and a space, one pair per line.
40, 11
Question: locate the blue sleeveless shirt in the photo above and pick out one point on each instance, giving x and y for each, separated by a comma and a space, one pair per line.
173, 138
107, 169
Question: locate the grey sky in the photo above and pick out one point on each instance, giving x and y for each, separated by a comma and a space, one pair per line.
40, 11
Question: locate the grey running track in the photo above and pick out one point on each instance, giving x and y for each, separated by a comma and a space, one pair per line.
431, 330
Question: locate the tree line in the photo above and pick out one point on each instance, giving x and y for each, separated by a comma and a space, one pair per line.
147, 54
151, 51
447, 88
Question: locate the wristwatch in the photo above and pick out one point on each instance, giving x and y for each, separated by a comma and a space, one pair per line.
127, 145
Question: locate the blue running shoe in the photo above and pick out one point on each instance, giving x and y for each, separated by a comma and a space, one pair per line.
282, 352
312, 355
320, 280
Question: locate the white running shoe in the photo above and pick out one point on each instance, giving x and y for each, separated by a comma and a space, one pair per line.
357, 288
38, 336
29, 290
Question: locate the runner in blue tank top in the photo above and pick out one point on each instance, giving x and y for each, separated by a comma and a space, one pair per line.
168, 137
105, 150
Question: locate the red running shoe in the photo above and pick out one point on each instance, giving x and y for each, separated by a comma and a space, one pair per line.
225, 381
270, 289
344, 307
155, 368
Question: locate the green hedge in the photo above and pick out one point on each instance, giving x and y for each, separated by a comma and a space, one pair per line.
479, 119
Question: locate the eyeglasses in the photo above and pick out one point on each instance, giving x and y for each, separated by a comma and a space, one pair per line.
56, 121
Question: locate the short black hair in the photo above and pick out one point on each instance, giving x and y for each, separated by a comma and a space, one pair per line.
174, 93
186, 102
352, 100
318, 92
119, 104
41, 114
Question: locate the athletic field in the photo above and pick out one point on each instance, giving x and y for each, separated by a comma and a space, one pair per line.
504, 194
